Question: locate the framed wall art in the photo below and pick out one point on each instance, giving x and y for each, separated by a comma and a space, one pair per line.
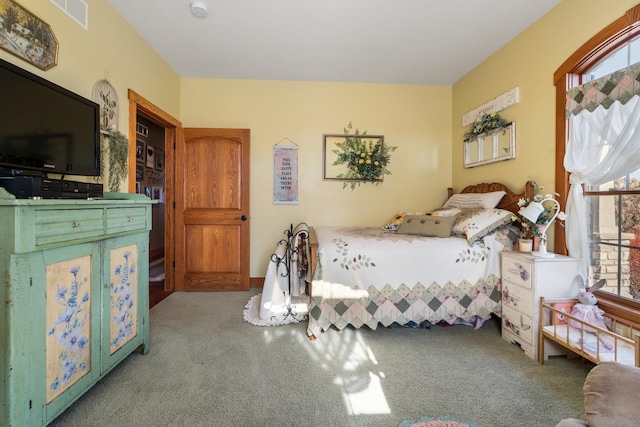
140, 146
151, 157
157, 193
27, 36
159, 160
354, 157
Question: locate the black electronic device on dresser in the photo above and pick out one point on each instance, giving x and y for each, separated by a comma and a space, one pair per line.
46, 129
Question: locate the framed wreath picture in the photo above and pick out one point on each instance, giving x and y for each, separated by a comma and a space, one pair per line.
355, 157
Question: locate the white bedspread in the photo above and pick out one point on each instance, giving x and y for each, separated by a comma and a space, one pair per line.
363, 257
370, 276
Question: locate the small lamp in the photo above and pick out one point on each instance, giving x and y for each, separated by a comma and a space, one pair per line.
531, 213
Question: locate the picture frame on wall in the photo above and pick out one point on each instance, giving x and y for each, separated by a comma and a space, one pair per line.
147, 191
40, 50
140, 146
139, 173
138, 186
159, 160
333, 146
157, 193
151, 157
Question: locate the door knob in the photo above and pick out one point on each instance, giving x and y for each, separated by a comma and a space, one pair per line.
243, 217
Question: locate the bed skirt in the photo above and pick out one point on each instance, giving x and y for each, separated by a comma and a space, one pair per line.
339, 305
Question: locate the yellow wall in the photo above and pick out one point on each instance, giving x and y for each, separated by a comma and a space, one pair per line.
111, 49
423, 121
528, 62
416, 119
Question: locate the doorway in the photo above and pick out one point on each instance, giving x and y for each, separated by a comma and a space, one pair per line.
167, 130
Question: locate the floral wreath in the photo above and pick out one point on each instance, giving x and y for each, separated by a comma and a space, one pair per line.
365, 160
484, 124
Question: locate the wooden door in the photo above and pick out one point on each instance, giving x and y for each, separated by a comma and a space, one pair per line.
212, 210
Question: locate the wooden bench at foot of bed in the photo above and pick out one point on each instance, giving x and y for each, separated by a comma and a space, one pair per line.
620, 344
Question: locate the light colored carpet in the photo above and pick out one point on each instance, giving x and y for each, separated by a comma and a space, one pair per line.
208, 367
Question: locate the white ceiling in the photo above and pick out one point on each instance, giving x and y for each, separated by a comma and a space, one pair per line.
433, 42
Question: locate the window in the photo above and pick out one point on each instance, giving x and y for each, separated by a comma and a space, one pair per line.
613, 207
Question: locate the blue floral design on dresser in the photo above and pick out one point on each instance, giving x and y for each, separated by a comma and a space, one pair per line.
68, 323
124, 285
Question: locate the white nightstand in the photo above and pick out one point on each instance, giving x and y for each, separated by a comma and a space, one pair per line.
525, 279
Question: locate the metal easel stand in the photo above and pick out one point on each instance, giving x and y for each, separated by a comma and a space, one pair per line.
295, 254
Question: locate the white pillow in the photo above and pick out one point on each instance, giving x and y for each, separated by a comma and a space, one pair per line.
475, 200
477, 223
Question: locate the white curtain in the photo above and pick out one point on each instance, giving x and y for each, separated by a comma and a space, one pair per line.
603, 145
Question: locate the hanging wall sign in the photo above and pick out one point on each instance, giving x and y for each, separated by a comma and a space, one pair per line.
285, 173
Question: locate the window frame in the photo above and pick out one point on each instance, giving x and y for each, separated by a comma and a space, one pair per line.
567, 76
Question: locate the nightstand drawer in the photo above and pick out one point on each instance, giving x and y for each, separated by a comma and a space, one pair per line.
518, 323
517, 297
126, 219
516, 271
63, 225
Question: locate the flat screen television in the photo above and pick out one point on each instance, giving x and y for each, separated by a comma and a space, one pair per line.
45, 127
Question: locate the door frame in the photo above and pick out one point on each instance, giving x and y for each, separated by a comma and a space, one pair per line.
138, 105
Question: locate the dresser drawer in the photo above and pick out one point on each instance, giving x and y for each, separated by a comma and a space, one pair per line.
518, 323
126, 219
63, 225
517, 271
517, 297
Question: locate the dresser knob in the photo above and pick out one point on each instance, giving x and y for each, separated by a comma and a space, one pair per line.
75, 224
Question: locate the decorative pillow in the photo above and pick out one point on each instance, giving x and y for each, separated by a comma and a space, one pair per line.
477, 223
475, 200
427, 225
395, 222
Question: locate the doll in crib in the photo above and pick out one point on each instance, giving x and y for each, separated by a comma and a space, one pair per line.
587, 310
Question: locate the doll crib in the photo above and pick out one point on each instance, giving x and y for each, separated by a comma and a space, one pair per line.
588, 340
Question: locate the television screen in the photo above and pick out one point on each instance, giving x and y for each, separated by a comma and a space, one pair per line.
45, 127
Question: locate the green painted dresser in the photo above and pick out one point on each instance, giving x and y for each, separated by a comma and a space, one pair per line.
75, 300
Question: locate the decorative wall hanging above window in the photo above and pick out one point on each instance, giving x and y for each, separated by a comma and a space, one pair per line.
355, 157
27, 36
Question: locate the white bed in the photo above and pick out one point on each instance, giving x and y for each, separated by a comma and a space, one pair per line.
370, 276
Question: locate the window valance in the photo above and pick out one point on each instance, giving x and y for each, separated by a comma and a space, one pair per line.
620, 86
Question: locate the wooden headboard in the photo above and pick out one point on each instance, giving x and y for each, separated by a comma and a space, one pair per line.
509, 201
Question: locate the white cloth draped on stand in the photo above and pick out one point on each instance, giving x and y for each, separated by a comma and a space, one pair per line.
283, 273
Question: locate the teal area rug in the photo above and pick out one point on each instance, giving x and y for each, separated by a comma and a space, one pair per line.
437, 422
